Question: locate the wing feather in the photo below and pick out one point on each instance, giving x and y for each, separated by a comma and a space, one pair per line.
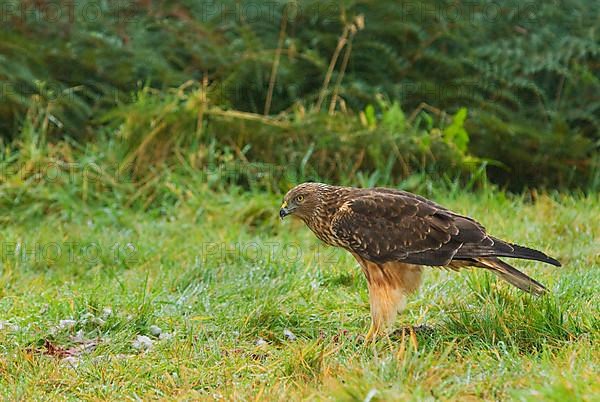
396, 226
384, 225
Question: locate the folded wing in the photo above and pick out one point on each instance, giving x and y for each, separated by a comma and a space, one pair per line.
384, 225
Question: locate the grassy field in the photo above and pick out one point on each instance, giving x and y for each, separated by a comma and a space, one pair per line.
231, 303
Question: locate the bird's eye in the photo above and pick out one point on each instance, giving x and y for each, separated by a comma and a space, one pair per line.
300, 198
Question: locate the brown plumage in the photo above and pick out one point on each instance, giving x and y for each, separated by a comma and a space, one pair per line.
393, 233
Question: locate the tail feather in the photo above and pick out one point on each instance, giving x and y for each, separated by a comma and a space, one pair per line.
512, 275
531, 254
500, 248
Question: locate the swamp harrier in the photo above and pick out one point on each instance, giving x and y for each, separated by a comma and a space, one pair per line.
393, 233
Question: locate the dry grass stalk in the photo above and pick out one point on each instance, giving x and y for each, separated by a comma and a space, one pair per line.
334, 57
275, 67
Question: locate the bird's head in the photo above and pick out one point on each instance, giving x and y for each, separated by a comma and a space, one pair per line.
301, 201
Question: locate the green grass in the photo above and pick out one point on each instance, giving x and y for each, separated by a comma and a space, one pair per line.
178, 267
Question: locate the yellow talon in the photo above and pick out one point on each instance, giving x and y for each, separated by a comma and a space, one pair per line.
372, 334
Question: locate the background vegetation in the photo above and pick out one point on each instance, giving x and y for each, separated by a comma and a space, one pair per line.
372, 84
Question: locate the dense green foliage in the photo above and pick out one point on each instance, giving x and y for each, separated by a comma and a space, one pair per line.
526, 72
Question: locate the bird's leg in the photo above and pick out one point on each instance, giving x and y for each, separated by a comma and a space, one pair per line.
377, 327
370, 337
389, 285
385, 302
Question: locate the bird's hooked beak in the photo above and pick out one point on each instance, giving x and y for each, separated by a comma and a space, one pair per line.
284, 210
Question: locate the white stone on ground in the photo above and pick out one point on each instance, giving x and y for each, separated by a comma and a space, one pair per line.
142, 342
155, 330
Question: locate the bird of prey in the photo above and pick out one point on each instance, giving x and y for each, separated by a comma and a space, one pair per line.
393, 234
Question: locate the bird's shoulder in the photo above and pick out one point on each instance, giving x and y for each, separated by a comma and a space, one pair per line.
390, 203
